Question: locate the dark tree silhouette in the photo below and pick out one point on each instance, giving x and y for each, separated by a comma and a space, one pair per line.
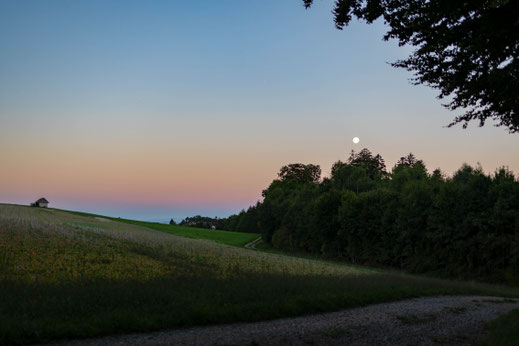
464, 226
300, 172
407, 161
467, 49
374, 165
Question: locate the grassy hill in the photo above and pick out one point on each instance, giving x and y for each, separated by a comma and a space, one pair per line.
225, 237
65, 275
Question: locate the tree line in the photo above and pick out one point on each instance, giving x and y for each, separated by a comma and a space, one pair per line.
464, 226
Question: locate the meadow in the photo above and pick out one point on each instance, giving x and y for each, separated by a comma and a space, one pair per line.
503, 331
225, 237
64, 275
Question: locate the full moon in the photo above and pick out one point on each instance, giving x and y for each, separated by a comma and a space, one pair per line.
356, 140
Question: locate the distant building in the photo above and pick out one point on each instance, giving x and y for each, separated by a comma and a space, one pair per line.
42, 203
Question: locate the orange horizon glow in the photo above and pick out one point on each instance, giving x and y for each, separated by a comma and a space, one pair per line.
144, 107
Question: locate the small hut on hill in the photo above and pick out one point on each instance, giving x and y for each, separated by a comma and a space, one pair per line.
42, 203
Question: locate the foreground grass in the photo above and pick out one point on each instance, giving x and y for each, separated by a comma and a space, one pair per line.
225, 237
69, 276
504, 331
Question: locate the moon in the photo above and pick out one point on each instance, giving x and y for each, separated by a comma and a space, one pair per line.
356, 140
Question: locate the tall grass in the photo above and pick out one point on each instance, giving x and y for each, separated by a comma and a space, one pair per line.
225, 237
65, 276
503, 331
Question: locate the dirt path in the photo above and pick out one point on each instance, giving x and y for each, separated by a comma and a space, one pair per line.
446, 320
253, 243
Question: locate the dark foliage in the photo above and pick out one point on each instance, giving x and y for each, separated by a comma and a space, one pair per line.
466, 226
374, 166
199, 222
245, 221
300, 172
467, 49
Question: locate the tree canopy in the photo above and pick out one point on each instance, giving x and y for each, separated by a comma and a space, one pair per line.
374, 165
464, 226
300, 172
467, 49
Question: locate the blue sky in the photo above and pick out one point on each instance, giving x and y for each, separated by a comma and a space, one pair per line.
152, 109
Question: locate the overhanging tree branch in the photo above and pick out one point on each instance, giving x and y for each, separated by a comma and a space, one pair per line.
468, 50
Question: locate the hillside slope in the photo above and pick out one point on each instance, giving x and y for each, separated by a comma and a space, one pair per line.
67, 275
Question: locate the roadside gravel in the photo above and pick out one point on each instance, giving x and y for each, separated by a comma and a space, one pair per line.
447, 320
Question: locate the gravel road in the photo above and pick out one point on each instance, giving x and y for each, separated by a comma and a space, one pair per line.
447, 320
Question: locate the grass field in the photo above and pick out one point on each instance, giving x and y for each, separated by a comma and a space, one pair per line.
225, 237
504, 331
64, 275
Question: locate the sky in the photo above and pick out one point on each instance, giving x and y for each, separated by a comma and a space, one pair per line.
158, 109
